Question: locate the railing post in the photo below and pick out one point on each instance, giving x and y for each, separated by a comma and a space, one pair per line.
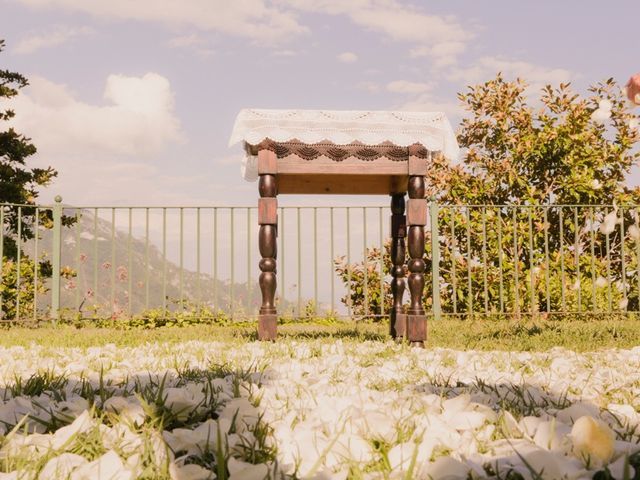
55, 259
435, 259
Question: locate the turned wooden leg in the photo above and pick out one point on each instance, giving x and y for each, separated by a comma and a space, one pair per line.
398, 319
416, 220
267, 218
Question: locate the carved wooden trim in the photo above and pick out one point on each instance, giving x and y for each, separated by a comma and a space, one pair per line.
337, 153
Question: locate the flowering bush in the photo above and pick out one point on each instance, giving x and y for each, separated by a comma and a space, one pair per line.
514, 251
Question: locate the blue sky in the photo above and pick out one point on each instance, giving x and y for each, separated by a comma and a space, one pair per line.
133, 101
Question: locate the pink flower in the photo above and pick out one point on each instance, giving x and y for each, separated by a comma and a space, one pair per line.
122, 273
83, 257
106, 265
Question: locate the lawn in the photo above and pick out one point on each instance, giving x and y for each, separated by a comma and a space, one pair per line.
508, 400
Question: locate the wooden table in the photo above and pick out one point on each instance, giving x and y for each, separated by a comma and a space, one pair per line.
288, 165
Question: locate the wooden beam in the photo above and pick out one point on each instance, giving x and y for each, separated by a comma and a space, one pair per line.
342, 184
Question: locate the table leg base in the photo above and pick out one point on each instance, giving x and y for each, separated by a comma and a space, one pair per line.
416, 328
398, 325
267, 326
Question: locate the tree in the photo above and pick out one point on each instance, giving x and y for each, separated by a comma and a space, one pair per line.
19, 185
506, 245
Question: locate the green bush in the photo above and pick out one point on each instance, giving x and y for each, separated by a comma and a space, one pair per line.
505, 244
19, 299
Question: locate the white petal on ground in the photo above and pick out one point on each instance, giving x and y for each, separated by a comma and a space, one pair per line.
239, 470
447, 468
128, 408
108, 467
593, 440
190, 472
61, 466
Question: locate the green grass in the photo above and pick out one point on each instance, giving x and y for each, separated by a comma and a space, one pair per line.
524, 335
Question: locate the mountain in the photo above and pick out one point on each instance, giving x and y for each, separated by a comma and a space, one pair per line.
138, 279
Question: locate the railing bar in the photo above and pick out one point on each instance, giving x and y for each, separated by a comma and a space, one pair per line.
484, 259
547, 279
594, 307
576, 252
331, 253
365, 261
299, 251
18, 262
215, 259
113, 261
623, 264
181, 274
500, 272
146, 259
516, 263
381, 262
532, 286
164, 260
562, 272
95, 256
130, 263
283, 288
77, 260
198, 279
469, 285
232, 297
36, 265
454, 261
349, 300
315, 260
607, 246
249, 283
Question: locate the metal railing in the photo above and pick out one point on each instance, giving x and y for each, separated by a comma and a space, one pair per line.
97, 262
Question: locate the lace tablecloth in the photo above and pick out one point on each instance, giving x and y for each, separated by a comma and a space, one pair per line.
430, 129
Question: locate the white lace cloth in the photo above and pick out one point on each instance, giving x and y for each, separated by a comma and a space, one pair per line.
430, 129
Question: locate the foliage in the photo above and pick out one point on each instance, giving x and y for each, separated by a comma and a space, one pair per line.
18, 183
505, 244
20, 292
366, 302
151, 318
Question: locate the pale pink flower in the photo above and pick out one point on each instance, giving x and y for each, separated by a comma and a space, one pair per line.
122, 273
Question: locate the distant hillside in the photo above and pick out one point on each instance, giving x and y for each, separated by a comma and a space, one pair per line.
113, 281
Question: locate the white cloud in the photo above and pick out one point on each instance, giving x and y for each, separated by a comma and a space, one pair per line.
347, 57
138, 118
404, 86
117, 152
485, 68
428, 102
253, 19
193, 42
371, 87
284, 53
52, 38
440, 37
